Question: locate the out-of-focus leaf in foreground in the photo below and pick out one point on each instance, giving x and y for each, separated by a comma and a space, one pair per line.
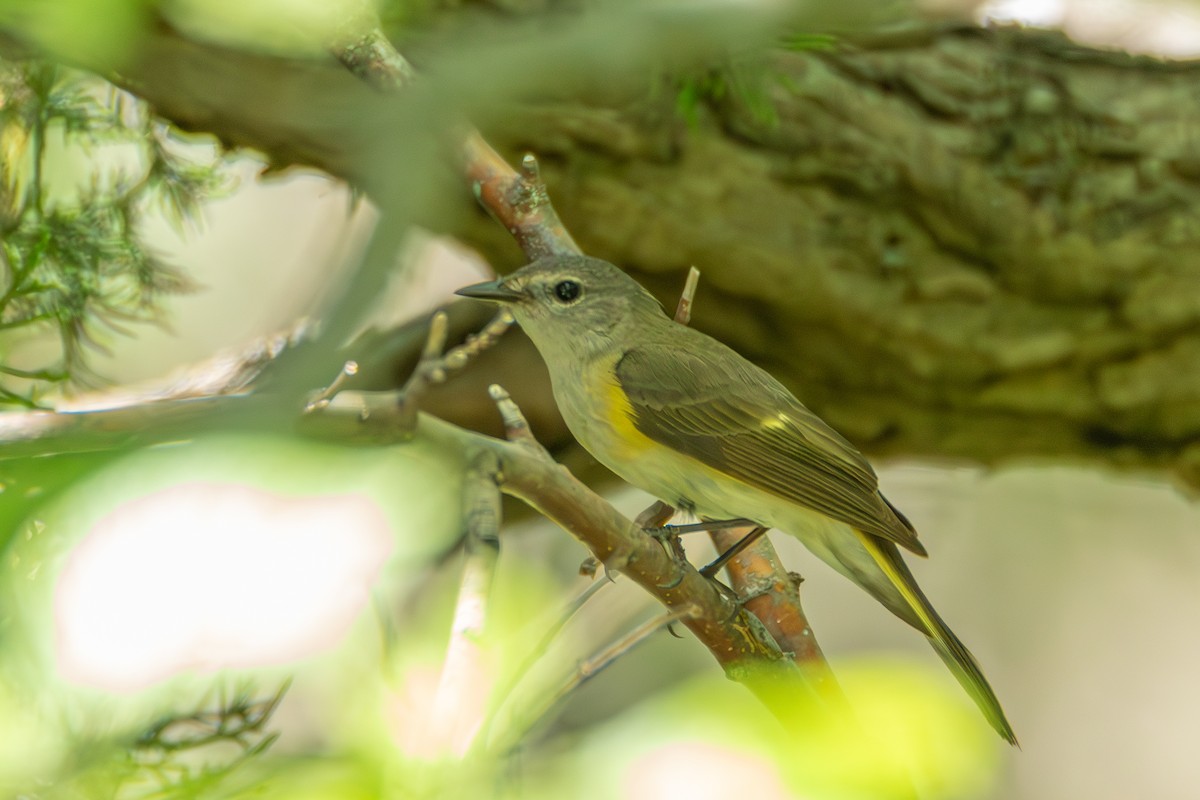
144, 590
708, 738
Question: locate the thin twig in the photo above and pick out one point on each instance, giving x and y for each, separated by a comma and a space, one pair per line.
518, 201
516, 427
430, 369
373, 58
434, 366
458, 357
321, 399
591, 667
683, 311
455, 720
504, 693
167, 750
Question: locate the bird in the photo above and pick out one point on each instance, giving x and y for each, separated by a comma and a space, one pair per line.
687, 419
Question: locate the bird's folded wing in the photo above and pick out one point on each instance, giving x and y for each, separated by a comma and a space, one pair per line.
727, 413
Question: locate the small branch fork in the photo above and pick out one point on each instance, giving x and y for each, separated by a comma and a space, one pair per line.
517, 200
435, 366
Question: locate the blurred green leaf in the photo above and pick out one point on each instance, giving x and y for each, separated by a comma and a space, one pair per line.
28, 483
104, 31
907, 729
810, 41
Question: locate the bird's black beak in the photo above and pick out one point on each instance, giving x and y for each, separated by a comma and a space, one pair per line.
495, 291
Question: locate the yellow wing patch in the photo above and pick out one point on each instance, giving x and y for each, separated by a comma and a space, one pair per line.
778, 422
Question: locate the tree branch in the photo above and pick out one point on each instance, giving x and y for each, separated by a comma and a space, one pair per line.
736, 639
456, 720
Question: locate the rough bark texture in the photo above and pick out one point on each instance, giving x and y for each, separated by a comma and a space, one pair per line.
969, 243
951, 242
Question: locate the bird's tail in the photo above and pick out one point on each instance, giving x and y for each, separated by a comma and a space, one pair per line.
951, 649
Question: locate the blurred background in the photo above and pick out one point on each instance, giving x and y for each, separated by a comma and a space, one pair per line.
164, 579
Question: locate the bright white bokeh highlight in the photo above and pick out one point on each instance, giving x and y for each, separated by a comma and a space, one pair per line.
702, 771
423, 725
1169, 28
208, 576
1042, 13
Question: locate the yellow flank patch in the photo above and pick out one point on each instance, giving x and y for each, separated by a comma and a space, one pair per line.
618, 413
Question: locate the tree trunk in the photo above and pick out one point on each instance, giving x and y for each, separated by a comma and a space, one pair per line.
966, 243
961, 242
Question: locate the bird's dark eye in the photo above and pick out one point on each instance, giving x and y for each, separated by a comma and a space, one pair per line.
566, 291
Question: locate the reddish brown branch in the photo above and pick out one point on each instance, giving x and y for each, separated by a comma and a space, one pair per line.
518, 201
772, 594
529, 473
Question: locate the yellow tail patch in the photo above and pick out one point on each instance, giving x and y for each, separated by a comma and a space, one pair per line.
900, 581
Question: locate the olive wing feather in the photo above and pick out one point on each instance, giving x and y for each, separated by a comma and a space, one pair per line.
727, 413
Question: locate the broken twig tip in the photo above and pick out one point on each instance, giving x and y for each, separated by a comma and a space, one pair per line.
529, 168
435, 342
683, 312
321, 399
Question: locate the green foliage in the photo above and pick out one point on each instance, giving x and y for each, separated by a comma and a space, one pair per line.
693, 92
183, 754
166, 759
73, 259
743, 82
745, 79
809, 41
105, 30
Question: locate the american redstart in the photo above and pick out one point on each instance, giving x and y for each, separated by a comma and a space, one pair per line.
683, 417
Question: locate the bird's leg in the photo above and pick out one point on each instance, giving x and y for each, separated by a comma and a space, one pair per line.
667, 531
717, 564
